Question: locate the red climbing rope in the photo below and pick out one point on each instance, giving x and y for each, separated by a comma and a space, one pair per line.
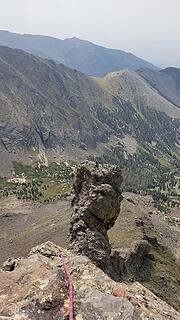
71, 289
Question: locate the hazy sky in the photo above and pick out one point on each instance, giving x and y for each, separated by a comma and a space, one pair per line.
147, 28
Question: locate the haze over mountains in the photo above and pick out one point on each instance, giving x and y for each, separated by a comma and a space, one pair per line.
79, 54
59, 111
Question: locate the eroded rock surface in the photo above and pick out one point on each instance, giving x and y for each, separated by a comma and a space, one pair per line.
97, 198
96, 202
37, 290
133, 263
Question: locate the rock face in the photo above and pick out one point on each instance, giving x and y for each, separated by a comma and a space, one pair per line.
133, 263
96, 202
37, 290
97, 198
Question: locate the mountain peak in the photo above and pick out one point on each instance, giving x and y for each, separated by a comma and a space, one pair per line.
83, 55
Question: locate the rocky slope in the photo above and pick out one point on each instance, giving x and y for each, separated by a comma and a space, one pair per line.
174, 73
145, 243
166, 82
48, 110
24, 225
82, 55
36, 288
133, 88
140, 220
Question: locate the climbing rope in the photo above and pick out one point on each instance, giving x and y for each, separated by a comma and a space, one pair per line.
71, 289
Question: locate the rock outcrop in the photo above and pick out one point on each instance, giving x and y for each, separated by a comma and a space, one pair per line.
133, 263
96, 202
97, 198
37, 289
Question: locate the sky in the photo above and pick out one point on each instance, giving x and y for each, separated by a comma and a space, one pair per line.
148, 28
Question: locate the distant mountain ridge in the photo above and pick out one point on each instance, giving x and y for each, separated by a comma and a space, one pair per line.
75, 53
166, 82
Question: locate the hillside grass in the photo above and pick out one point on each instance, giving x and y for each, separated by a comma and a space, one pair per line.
43, 184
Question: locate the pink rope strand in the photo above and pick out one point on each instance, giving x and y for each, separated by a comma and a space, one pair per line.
71, 289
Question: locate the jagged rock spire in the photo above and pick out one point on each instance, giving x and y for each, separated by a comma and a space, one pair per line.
96, 206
